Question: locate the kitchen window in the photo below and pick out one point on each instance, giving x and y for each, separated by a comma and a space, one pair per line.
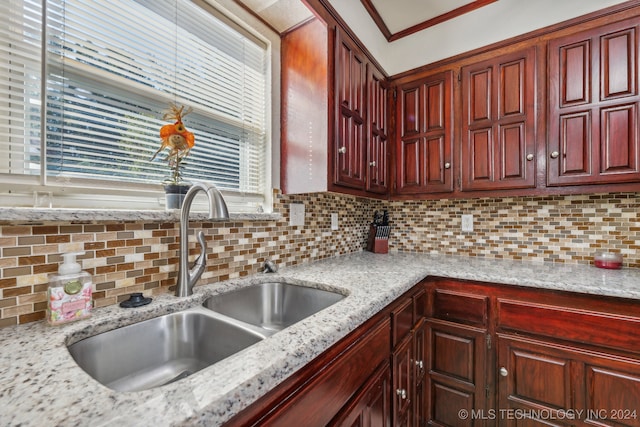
84, 87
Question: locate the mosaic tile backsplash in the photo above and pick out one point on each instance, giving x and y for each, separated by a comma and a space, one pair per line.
126, 257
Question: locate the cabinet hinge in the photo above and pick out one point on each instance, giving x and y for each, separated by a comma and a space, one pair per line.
395, 94
486, 390
488, 341
459, 77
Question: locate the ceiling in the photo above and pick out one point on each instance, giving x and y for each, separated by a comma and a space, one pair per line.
402, 18
395, 19
279, 14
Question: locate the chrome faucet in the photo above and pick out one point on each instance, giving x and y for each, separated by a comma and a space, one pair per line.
187, 277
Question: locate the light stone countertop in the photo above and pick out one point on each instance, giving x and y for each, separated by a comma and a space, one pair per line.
13, 216
40, 381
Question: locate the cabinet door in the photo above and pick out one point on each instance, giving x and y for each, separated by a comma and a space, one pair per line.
371, 407
349, 149
377, 132
424, 142
402, 364
498, 123
593, 107
533, 376
420, 364
565, 385
456, 381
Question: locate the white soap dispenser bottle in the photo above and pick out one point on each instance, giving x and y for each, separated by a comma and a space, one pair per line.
69, 296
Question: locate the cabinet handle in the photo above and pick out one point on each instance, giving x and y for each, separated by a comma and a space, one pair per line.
342, 150
419, 364
504, 372
529, 157
402, 393
447, 165
554, 155
372, 164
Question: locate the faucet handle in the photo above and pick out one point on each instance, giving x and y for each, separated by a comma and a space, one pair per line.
270, 267
202, 257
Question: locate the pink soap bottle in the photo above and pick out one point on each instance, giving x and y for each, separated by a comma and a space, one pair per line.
69, 296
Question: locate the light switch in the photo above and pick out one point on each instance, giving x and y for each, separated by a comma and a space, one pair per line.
334, 220
296, 214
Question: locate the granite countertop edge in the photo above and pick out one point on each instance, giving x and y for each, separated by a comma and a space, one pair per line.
40, 379
30, 216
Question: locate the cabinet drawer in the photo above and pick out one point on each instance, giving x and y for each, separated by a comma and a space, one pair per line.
460, 308
598, 328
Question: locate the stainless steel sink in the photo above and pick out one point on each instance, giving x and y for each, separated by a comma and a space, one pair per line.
162, 350
272, 306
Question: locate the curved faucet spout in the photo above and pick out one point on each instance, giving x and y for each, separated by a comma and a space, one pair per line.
187, 278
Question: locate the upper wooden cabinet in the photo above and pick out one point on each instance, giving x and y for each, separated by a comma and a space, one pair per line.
593, 106
335, 124
377, 131
350, 75
361, 139
498, 144
424, 141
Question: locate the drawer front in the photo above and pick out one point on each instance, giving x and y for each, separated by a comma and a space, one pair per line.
460, 308
583, 326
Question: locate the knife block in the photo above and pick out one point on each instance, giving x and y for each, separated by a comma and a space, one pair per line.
378, 241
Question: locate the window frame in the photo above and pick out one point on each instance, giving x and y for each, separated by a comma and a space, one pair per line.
41, 191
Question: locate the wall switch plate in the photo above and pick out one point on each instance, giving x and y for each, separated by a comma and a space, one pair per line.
467, 222
296, 214
334, 220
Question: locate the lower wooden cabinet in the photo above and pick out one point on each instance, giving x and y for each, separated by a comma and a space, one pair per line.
507, 356
371, 406
564, 385
457, 373
453, 353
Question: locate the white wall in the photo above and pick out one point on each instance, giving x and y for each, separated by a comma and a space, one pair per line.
498, 21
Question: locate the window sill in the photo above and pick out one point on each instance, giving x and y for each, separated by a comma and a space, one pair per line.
14, 216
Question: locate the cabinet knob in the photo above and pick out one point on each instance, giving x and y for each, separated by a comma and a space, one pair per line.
504, 372
419, 364
372, 164
554, 155
342, 150
529, 157
402, 393
447, 165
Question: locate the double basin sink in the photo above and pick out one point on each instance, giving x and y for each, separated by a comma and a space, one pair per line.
168, 348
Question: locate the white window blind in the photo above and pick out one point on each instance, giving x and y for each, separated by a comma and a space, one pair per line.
110, 71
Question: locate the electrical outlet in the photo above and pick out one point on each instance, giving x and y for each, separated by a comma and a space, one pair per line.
467, 223
296, 214
334, 221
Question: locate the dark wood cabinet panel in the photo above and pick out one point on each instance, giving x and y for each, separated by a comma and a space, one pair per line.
377, 132
456, 376
551, 358
304, 147
593, 107
402, 366
360, 150
424, 147
534, 376
349, 150
371, 407
553, 380
498, 145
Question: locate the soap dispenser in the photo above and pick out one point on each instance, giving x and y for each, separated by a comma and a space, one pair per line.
69, 293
